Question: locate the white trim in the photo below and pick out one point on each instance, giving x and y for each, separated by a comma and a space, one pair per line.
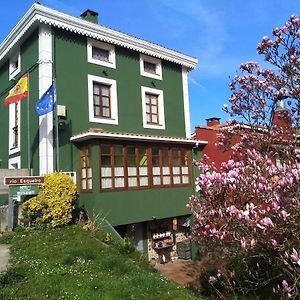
12, 110
113, 100
186, 103
14, 71
121, 136
161, 109
14, 160
111, 63
42, 14
46, 153
152, 60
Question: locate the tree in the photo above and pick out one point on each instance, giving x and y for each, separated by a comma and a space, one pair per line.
252, 202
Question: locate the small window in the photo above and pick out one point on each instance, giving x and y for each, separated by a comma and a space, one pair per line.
153, 108
14, 65
102, 100
14, 163
14, 127
150, 67
86, 178
101, 53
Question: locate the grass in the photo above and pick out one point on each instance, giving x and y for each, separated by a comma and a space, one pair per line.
70, 263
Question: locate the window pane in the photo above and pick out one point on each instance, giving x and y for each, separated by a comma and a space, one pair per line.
165, 157
89, 172
156, 170
130, 150
97, 111
105, 161
83, 161
90, 184
184, 157
96, 88
131, 171
106, 183
96, 100
166, 170
149, 67
175, 157
105, 101
83, 184
176, 179
143, 156
132, 181
106, 172
185, 170
118, 149
143, 171
156, 180
105, 149
119, 171
185, 179
144, 181
154, 119
166, 180
83, 173
100, 54
105, 90
147, 98
119, 182
105, 112
176, 170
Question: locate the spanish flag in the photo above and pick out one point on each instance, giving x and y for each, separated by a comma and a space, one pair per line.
18, 92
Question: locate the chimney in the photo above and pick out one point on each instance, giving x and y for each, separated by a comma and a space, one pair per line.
90, 15
281, 116
212, 121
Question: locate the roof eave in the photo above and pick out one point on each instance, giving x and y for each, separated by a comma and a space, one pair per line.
93, 135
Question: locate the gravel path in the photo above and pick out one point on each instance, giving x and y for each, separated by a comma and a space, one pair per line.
4, 257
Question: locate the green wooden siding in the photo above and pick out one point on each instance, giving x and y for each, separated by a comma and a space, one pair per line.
71, 72
29, 58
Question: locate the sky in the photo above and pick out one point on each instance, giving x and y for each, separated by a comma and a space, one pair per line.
220, 34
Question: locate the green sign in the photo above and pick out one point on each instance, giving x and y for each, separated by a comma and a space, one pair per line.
24, 190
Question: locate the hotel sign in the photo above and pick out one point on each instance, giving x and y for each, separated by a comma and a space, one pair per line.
24, 180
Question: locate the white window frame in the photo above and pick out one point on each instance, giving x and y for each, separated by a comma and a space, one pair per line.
161, 110
111, 63
152, 60
14, 71
113, 100
12, 110
14, 161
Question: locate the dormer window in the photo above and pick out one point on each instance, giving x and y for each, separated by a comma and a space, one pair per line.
150, 67
14, 65
100, 53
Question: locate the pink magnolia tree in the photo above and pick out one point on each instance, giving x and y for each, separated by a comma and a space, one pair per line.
252, 203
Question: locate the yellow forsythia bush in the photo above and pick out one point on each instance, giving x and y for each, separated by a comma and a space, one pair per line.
55, 201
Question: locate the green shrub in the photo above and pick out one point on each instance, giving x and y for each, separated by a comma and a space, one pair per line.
54, 203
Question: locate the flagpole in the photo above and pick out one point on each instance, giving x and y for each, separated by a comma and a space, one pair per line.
56, 128
28, 128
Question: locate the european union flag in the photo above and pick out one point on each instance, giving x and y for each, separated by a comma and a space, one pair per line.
46, 103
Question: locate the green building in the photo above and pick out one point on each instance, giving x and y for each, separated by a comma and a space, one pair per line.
123, 121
